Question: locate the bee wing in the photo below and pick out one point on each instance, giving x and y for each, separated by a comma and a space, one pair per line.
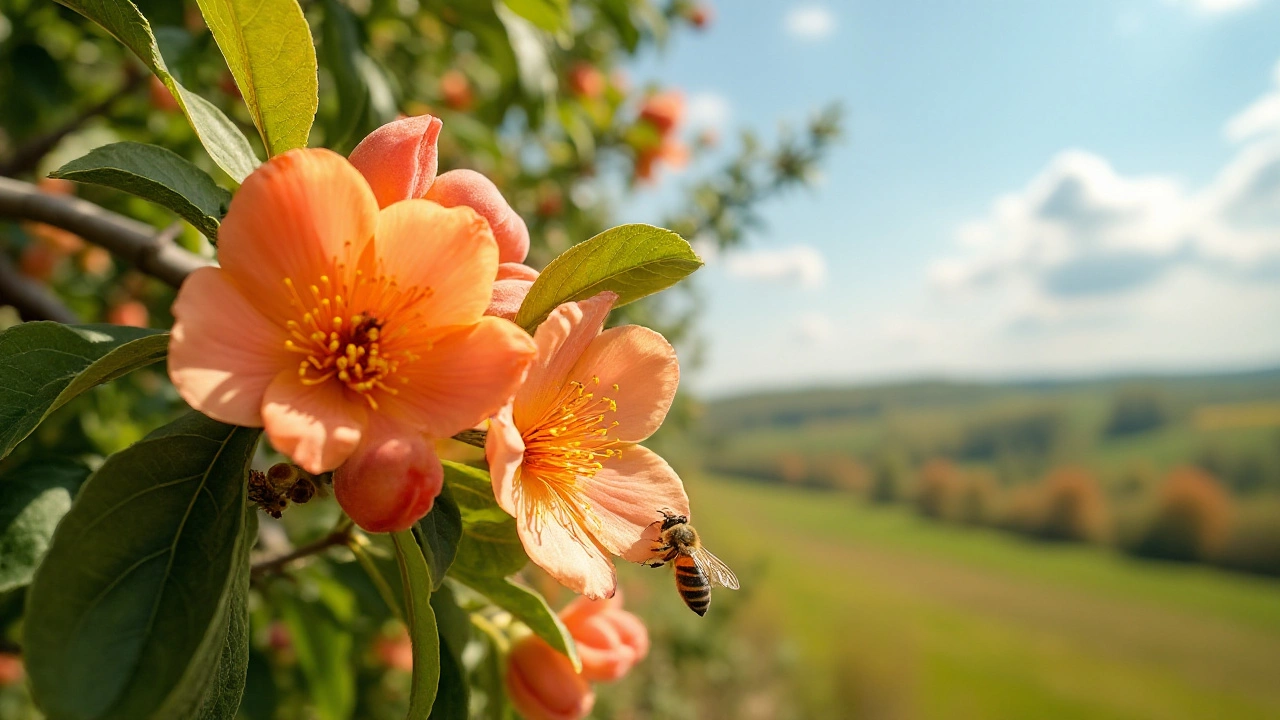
718, 574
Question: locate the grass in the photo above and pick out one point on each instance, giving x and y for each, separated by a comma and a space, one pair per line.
895, 616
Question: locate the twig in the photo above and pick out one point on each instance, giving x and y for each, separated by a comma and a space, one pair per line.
474, 438
278, 565
136, 243
32, 300
29, 155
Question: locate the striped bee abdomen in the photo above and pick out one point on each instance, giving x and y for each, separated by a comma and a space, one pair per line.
692, 584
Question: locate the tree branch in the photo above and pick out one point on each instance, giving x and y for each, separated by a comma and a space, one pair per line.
278, 565
136, 243
32, 300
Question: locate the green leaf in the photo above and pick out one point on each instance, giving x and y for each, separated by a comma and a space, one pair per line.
156, 174
319, 632
45, 364
528, 607
223, 699
267, 44
439, 533
415, 576
128, 613
549, 15
33, 498
490, 545
221, 138
453, 698
631, 260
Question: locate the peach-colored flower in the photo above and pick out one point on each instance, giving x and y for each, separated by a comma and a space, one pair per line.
543, 685
510, 289
129, 312
347, 332
400, 161
610, 640
455, 88
563, 454
664, 110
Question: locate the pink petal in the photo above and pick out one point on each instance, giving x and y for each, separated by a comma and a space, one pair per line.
297, 216
627, 495
470, 188
507, 297
543, 685
223, 353
567, 552
449, 253
391, 480
462, 377
316, 425
400, 158
643, 366
504, 450
561, 339
516, 271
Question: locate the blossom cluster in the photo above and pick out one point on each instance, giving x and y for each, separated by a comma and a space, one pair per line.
363, 309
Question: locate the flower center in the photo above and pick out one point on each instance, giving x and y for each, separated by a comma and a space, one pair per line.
569, 444
341, 343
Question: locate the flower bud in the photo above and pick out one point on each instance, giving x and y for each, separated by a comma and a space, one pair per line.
543, 685
390, 482
610, 640
400, 158
509, 289
470, 188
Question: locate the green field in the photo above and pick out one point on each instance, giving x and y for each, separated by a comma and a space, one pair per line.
894, 616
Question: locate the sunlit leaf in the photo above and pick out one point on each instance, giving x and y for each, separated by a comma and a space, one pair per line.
45, 364
415, 576
267, 44
221, 138
549, 15
527, 606
158, 175
128, 613
33, 498
631, 260
489, 544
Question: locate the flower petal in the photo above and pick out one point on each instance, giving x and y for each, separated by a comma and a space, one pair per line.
400, 158
543, 685
297, 216
315, 425
470, 188
448, 250
504, 450
627, 495
507, 297
516, 271
568, 553
223, 353
462, 377
561, 339
391, 480
638, 370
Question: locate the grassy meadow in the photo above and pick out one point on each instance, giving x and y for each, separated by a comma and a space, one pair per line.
889, 615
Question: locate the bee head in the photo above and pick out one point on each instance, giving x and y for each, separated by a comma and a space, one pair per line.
670, 519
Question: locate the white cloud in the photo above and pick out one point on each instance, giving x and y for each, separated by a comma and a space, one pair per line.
810, 22
1083, 244
814, 329
800, 265
708, 111
1215, 7
1260, 118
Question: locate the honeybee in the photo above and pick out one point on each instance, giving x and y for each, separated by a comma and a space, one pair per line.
697, 570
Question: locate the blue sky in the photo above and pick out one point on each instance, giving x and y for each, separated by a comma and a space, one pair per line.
1026, 189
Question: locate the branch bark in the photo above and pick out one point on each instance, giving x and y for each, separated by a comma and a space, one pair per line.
32, 300
136, 243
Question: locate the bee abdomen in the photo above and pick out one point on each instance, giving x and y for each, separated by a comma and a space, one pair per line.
692, 585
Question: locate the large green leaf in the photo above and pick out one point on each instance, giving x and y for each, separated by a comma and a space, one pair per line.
156, 174
527, 606
33, 498
439, 533
453, 699
128, 612
222, 700
490, 545
45, 364
319, 629
221, 138
549, 15
415, 576
631, 260
267, 44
